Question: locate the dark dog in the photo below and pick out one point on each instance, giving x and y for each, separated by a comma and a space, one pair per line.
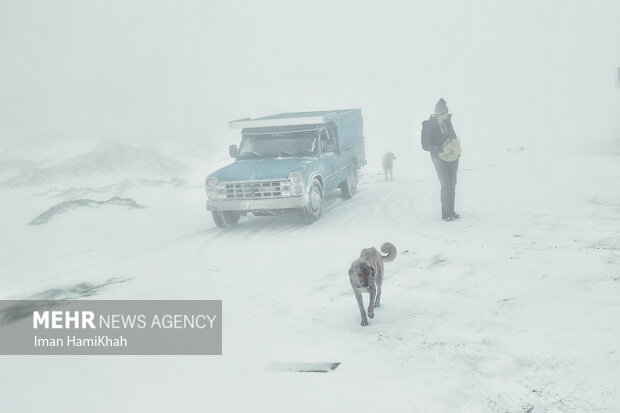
366, 275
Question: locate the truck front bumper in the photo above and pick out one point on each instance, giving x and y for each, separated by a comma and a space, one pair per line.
268, 204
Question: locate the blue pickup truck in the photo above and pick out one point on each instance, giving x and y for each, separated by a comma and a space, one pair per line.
288, 163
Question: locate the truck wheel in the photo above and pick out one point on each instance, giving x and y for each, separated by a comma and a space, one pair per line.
312, 212
224, 219
349, 187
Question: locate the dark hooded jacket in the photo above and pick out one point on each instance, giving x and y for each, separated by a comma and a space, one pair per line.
433, 138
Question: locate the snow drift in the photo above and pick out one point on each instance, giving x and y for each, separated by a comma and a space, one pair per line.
80, 203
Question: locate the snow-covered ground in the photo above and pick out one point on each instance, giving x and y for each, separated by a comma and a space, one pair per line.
512, 308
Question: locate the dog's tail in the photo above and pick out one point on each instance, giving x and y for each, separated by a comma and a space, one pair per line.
389, 249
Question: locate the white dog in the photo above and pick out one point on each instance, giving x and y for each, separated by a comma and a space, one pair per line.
388, 165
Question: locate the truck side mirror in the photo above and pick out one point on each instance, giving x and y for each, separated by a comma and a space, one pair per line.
232, 151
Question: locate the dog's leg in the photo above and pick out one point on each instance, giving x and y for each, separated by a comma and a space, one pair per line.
379, 282
360, 304
371, 304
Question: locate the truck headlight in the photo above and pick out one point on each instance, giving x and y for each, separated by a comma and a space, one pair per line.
297, 185
211, 187
295, 178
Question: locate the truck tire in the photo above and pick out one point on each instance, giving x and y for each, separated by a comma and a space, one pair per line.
349, 187
312, 212
225, 219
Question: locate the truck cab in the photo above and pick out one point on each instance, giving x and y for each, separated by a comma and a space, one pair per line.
288, 163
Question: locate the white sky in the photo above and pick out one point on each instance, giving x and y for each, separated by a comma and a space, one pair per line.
136, 69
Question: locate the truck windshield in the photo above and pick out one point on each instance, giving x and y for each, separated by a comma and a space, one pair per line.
277, 144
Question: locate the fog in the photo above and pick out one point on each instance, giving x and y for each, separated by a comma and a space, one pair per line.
113, 112
513, 73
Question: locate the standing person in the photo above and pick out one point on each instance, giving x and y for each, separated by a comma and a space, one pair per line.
439, 138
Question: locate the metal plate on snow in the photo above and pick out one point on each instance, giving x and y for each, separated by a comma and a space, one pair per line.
302, 367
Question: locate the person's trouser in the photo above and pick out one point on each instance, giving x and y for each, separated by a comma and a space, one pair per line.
446, 171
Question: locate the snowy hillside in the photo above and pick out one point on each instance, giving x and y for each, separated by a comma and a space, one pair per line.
512, 308
105, 159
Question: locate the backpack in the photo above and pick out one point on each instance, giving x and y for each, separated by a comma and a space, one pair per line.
428, 144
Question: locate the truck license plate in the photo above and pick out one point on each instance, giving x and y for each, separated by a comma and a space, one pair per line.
253, 205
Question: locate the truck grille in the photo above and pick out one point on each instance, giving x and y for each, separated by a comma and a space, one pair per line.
253, 190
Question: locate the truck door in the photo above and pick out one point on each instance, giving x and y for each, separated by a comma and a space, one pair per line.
329, 159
